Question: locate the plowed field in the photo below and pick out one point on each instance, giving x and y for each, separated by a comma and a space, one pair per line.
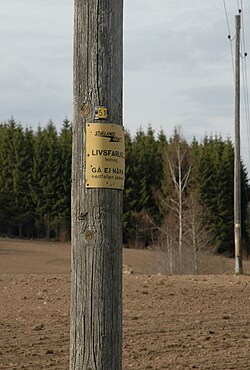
170, 322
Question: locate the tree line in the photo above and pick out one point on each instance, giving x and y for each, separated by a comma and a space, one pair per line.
35, 173
176, 193
181, 194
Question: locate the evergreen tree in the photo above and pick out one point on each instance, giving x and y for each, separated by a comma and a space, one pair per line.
144, 171
63, 205
51, 181
215, 169
38, 179
22, 170
7, 162
245, 192
129, 198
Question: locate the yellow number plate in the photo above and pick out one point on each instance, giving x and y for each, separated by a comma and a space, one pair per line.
101, 113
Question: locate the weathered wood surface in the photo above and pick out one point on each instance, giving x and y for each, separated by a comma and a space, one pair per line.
96, 307
237, 164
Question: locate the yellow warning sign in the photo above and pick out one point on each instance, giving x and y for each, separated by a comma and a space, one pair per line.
105, 156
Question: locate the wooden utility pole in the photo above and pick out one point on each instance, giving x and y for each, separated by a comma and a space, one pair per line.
96, 298
237, 163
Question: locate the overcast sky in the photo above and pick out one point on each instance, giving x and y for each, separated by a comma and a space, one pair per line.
177, 64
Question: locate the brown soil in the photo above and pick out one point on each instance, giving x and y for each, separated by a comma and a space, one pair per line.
170, 322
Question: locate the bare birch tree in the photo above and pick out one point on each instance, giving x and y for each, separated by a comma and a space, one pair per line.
197, 236
180, 168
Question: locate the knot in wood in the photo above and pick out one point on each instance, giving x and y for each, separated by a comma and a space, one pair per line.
89, 235
82, 215
85, 110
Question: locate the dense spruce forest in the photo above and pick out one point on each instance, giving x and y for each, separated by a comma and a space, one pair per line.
177, 193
